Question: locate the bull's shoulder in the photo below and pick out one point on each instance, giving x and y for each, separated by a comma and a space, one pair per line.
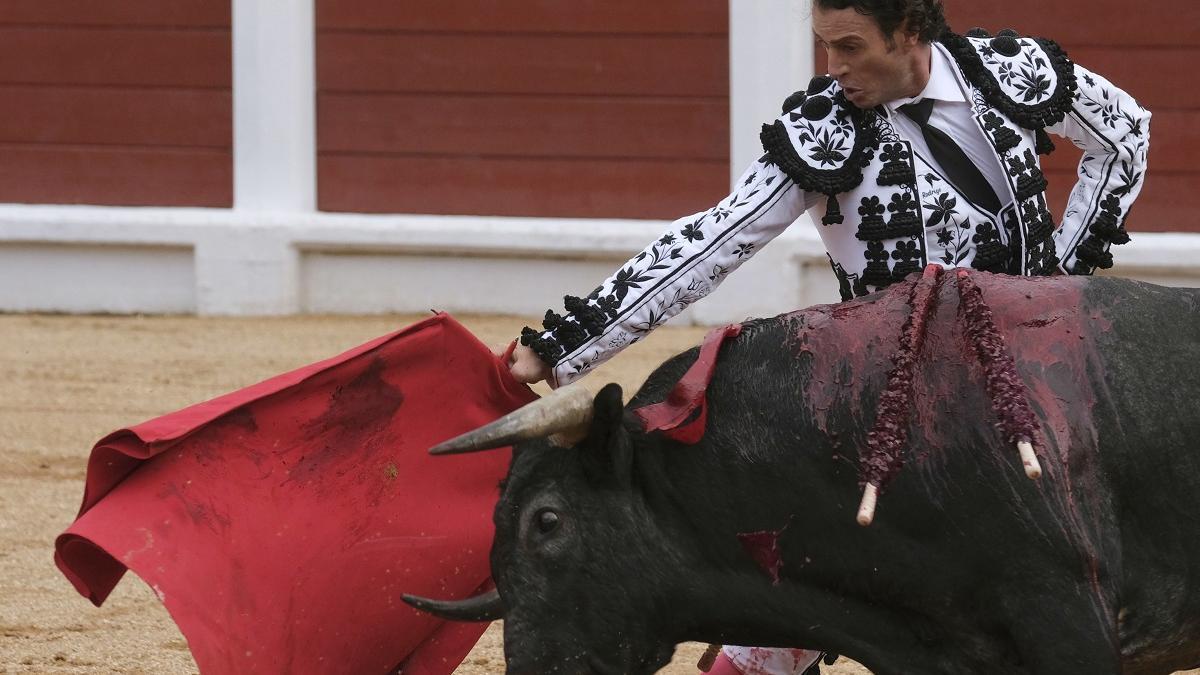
755, 339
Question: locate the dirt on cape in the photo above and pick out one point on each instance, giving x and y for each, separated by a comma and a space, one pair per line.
69, 380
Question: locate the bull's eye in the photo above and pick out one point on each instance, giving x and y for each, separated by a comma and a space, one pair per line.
547, 521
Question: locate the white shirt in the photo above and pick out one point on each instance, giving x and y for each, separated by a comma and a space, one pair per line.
951, 114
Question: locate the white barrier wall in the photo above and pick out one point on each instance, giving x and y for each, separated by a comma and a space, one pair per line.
216, 261
274, 254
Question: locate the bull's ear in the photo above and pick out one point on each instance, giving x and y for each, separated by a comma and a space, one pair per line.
606, 448
608, 405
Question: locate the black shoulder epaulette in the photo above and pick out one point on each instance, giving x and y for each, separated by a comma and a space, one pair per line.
1029, 79
821, 141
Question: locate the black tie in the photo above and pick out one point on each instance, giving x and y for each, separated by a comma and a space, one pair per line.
958, 167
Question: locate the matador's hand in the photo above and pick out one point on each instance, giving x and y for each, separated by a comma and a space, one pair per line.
526, 366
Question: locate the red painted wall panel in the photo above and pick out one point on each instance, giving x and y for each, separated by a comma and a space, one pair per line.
616, 65
128, 176
666, 17
523, 126
116, 103
586, 109
1085, 23
115, 116
491, 186
177, 13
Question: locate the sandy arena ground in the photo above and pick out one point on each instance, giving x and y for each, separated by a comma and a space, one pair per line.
67, 381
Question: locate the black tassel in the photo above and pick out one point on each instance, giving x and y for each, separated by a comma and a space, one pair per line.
1045, 146
833, 212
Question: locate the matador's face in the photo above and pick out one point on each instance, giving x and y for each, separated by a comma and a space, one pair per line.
872, 68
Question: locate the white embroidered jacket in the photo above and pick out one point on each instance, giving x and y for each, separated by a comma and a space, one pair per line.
885, 210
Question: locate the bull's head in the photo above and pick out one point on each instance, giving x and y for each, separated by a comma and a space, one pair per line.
570, 603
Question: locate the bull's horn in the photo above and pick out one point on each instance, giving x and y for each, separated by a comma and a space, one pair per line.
564, 411
486, 607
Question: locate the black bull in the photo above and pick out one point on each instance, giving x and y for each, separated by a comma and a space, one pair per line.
611, 551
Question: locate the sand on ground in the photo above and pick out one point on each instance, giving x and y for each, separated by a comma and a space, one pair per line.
69, 380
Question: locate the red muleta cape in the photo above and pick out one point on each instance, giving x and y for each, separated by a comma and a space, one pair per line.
281, 523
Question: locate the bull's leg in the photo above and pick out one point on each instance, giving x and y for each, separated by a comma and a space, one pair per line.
1064, 632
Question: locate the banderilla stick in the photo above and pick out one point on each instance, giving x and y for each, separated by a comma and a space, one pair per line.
1033, 468
866, 508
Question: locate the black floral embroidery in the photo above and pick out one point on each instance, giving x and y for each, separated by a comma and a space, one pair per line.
619, 340
658, 254
902, 201
945, 237
1130, 179
547, 349
849, 285
1107, 108
990, 253
907, 255
1030, 180
905, 220
828, 157
1031, 80
735, 201
744, 250
1134, 124
1016, 166
871, 227
877, 273
1041, 106
843, 125
587, 365
692, 231
958, 246
897, 165
894, 152
654, 319
1004, 71
719, 213
829, 149
1016, 252
628, 278
941, 210
1040, 256
1003, 138
1107, 228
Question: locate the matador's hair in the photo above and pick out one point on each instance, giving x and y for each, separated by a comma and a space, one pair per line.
925, 18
